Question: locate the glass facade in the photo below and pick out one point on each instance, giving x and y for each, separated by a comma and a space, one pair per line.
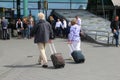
52, 4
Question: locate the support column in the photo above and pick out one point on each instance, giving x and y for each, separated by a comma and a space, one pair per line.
25, 8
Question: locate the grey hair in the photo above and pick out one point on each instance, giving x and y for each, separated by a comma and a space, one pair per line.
41, 16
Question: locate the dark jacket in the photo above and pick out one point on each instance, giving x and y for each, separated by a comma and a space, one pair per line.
41, 31
115, 25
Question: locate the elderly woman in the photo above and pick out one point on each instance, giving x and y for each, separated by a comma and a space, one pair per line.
74, 35
41, 32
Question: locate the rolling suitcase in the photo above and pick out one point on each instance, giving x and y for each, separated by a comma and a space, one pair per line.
56, 58
77, 55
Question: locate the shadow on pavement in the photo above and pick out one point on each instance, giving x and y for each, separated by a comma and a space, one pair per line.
23, 66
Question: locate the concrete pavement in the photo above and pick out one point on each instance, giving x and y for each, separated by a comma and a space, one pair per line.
18, 58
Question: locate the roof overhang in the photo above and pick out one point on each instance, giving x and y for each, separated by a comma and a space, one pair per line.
116, 2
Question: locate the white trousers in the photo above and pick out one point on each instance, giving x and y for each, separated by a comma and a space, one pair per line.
75, 46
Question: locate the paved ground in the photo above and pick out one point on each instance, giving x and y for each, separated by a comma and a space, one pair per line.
18, 60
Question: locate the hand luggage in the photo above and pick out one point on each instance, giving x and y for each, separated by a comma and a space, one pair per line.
8, 36
56, 58
1, 34
77, 55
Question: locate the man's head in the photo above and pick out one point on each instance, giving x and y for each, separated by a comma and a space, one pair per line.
116, 18
41, 16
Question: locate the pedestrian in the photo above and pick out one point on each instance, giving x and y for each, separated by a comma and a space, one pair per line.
58, 28
25, 28
4, 24
42, 32
74, 37
115, 27
30, 25
78, 20
64, 28
19, 27
52, 22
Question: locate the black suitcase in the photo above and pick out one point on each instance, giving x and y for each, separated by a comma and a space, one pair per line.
56, 58
78, 56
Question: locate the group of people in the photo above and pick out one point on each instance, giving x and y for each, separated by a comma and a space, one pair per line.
24, 27
60, 27
43, 30
20, 28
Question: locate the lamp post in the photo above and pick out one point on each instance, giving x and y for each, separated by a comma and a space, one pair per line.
70, 5
103, 7
18, 8
46, 7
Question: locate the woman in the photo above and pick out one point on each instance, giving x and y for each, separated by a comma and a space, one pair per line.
74, 35
42, 31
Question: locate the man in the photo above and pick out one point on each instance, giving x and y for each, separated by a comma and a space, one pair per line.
115, 26
42, 31
4, 24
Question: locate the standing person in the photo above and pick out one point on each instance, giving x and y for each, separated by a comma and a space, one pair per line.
25, 26
30, 25
42, 31
58, 28
19, 27
115, 27
64, 28
78, 20
4, 24
0, 29
74, 37
52, 22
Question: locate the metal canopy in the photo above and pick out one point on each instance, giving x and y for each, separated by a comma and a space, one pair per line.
116, 2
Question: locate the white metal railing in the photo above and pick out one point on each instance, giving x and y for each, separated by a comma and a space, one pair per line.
100, 33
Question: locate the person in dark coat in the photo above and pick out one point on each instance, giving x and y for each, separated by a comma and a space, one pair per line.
4, 24
42, 32
115, 27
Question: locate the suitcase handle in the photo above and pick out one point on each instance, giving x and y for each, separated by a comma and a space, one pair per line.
71, 47
52, 48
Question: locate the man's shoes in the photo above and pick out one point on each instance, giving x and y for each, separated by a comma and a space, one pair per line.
45, 66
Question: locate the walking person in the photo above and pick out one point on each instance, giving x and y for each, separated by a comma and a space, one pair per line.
74, 37
115, 27
4, 24
41, 32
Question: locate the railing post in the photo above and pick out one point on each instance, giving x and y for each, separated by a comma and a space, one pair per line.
108, 38
96, 35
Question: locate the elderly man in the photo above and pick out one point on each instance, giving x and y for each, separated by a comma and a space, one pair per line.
42, 31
